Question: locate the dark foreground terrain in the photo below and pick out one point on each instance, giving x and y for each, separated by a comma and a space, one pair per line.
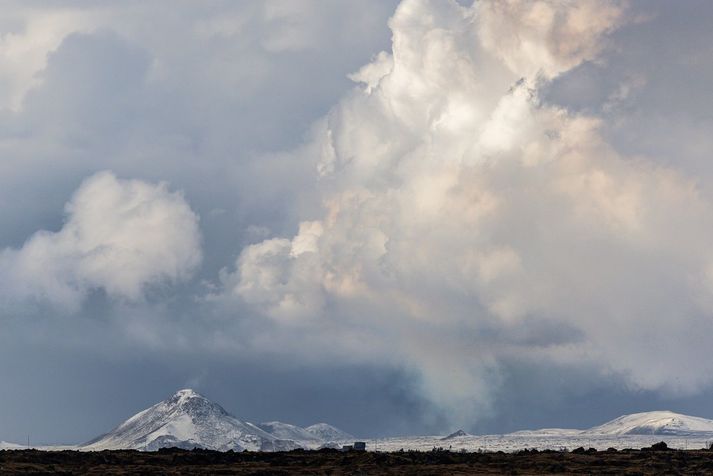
333, 462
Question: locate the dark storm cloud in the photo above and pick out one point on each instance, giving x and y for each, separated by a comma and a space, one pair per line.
70, 398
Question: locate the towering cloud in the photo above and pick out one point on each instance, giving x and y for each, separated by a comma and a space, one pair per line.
466, 222
120, 236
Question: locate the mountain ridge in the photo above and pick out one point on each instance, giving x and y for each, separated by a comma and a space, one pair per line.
189, 420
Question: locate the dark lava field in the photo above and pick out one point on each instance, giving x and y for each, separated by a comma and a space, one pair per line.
654, 460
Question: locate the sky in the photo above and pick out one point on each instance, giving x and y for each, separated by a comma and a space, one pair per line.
397, 217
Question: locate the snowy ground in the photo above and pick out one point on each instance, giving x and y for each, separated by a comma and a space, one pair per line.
519, 442
507, 443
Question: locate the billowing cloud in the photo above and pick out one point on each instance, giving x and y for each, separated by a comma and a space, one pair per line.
464, 219
278, 274
120, 236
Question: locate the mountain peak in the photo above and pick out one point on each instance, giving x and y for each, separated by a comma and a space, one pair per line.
187, 393
188, 401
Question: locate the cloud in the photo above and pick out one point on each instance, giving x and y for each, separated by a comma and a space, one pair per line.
547, 37
120, 236
27, 35
199, 102
263, 269
461, 213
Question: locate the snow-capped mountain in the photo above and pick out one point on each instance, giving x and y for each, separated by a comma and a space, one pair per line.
654, 423
327, 433
189, 420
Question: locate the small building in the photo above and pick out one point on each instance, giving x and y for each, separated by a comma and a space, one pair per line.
357, 446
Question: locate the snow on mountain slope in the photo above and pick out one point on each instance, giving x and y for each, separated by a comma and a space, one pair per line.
654, 423
327, 432
187, 420
285, 431
4, 445
647, 423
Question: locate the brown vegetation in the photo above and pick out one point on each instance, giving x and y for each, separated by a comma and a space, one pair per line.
657, 460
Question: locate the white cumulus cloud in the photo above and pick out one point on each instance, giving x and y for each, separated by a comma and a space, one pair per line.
119, 236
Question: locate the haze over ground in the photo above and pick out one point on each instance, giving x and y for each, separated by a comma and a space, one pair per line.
499, 220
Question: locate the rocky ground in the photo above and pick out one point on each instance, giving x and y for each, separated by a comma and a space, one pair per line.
332, 462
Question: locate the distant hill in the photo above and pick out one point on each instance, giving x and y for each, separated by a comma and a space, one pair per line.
655, 423
455, 434
286, 431
4, 445
646, 423
327, 432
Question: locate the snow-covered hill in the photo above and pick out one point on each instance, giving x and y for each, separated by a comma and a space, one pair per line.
655, 423
638, 430
189, 420
328, 433
286, 431
646, 423
4, 445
